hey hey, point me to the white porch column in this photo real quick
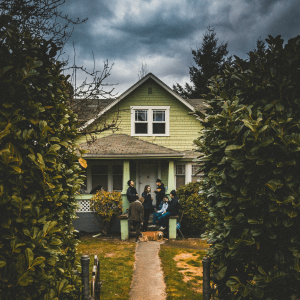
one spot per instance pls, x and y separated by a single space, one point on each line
171 177
126 177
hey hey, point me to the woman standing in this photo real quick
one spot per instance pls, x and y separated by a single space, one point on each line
147 205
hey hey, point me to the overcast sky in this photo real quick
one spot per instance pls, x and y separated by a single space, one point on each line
161 33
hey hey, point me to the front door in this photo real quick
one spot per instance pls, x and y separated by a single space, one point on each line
148 175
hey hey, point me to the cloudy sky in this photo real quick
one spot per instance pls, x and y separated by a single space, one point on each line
161 33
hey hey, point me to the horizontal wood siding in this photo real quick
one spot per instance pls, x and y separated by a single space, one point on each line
184 128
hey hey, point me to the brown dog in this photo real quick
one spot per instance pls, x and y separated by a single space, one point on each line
152 236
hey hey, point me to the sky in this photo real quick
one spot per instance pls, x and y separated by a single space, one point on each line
161 33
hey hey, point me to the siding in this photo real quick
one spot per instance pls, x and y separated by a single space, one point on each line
184 128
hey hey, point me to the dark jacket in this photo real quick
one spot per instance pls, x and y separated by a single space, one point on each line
148 201
173 207
160 195
136 211
131 194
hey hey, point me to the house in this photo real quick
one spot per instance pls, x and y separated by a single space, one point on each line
154 140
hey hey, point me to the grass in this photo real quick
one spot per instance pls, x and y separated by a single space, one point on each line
182 267
116 264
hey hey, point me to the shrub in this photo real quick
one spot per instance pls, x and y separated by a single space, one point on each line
107 206
195 213
39 175
250 147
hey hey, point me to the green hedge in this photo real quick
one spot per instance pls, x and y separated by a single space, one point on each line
195 214
39 175
250 148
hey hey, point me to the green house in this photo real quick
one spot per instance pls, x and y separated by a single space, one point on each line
154 140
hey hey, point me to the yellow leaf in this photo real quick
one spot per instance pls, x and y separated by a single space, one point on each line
82 162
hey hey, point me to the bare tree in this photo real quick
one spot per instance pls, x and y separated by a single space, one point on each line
45 20
143 71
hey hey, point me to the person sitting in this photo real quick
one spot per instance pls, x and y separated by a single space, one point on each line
158 213
99 187
131 193
172 210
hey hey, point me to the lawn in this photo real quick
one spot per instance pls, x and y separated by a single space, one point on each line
116 264
182 265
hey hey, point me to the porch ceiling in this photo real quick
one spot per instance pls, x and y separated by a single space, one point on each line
123 145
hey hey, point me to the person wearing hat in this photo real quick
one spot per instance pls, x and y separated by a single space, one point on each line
160 192
172 210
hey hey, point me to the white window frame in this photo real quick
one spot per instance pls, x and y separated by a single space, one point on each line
150 110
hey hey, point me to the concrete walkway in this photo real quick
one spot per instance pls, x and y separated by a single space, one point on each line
148 281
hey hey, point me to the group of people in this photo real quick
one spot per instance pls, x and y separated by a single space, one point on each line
141 207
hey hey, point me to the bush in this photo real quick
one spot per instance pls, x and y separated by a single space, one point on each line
250 147
40 173
107 206
195 213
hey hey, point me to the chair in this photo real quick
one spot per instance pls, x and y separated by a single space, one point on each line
178 224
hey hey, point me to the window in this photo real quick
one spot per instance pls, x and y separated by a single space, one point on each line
150 120
180 175
100 176
195 175
117 177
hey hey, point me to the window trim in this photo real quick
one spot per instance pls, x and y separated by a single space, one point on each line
150 110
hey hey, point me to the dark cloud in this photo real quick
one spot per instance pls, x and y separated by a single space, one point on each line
162 33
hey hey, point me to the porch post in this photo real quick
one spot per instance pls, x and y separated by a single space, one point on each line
171 176
126 177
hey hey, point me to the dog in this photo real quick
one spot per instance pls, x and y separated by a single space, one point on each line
152 236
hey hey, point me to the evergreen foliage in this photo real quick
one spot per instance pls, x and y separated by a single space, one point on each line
210 60
40 172
250 150
195 214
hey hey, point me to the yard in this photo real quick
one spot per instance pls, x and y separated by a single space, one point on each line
181 262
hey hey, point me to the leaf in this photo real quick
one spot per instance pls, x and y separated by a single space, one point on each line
274 184
24 279
83 162
222 273
39 260
29 256
54 148
233 147
2 264
16 168
248 124
5 131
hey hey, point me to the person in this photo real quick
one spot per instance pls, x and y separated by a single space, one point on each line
147 205
158 213
131 193
99 187
172 210
136 216
160 192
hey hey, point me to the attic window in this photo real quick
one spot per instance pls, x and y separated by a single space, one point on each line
150 120
149 90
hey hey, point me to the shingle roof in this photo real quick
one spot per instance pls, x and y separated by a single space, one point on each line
123 145
198 104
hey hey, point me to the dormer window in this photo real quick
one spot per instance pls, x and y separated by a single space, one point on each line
150 120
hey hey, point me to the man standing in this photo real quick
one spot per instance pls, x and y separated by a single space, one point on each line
160 193
131 193
172 210
136 216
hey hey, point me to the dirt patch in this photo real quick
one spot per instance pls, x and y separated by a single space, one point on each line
190 267
191 243
109 254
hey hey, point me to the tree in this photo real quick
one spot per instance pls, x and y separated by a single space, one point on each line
44 20
40 172
143 71
210 60
250 153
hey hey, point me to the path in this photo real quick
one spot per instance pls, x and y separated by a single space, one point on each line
148 280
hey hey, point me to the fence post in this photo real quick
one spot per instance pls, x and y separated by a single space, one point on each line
206 278
85 262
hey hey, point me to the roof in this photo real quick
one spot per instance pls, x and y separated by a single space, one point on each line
123 145
192 104
198 104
